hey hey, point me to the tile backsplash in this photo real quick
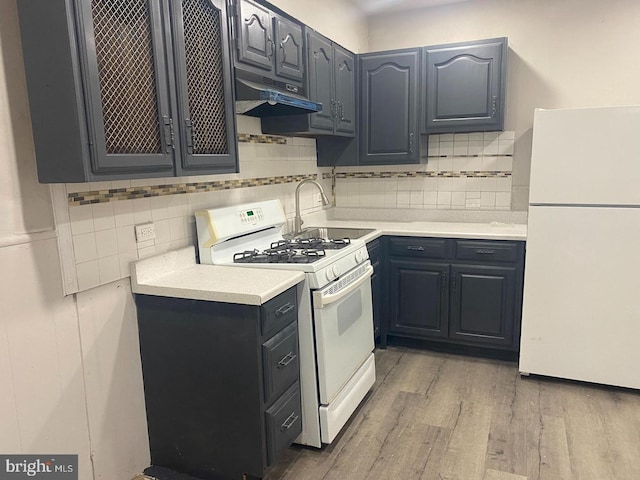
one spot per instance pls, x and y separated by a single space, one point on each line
96 220
463 171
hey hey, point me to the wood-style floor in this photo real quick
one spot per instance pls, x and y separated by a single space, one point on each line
443 416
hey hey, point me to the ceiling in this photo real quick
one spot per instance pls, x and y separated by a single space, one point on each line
372 7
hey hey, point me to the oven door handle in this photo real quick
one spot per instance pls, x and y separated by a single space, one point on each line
321 301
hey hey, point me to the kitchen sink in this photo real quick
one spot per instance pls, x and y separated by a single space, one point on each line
334 232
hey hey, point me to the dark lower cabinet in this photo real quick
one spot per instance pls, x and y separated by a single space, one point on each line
221 383
419 298
482 304
465 292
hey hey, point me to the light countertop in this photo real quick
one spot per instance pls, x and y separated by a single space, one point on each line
484 230
176 274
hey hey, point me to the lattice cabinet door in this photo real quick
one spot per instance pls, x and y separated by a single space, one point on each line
126 83
203 84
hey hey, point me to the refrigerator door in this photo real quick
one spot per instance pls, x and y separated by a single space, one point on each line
581 311
587 156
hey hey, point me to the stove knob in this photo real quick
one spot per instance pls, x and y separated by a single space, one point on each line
330 276
360 256
336 271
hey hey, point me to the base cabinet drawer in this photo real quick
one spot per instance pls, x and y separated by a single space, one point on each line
284 422
278 312
280 361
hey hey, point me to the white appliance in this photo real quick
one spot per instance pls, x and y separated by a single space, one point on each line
581 311
335 321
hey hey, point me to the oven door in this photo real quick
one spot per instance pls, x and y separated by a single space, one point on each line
343 322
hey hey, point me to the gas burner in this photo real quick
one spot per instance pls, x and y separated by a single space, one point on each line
279 253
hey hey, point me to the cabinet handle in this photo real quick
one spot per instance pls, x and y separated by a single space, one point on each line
288 423
333 108
444 282
271 47
286 308
167 127
453 284
482 251
494 101
411 143
415 248
287 359
189 133
341 109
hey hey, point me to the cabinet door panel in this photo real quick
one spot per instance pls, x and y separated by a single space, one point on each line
289 49
128 100
389 98
419 296
320 63
345 90
482 304
203 80
255 36
464 87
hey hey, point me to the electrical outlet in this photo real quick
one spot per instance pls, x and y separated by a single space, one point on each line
145 231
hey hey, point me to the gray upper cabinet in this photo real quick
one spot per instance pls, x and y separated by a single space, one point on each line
345 91
255 35
267 43
117 90
389 97
289 49
464 85
331 80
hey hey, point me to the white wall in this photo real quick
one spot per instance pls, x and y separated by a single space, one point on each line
565 53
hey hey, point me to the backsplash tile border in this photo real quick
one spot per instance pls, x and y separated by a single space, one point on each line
132 193
252 138
419 174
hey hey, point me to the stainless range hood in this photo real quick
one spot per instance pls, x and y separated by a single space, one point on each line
256 98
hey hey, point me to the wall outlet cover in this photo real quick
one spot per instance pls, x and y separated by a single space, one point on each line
145 231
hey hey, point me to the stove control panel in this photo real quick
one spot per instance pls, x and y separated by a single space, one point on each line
251 216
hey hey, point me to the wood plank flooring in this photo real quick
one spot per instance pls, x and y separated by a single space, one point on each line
439 416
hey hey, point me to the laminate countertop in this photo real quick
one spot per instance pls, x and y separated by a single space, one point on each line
176 274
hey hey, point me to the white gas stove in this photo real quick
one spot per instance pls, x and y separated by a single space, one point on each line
335 323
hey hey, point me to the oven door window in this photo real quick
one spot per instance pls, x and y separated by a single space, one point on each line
343 322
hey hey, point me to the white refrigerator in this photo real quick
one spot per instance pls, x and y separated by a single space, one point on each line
581 304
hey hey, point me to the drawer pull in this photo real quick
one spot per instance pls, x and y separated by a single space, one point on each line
482 251
286 308
287 359
415 248
288 423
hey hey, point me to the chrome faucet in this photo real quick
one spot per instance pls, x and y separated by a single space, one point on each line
298 220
